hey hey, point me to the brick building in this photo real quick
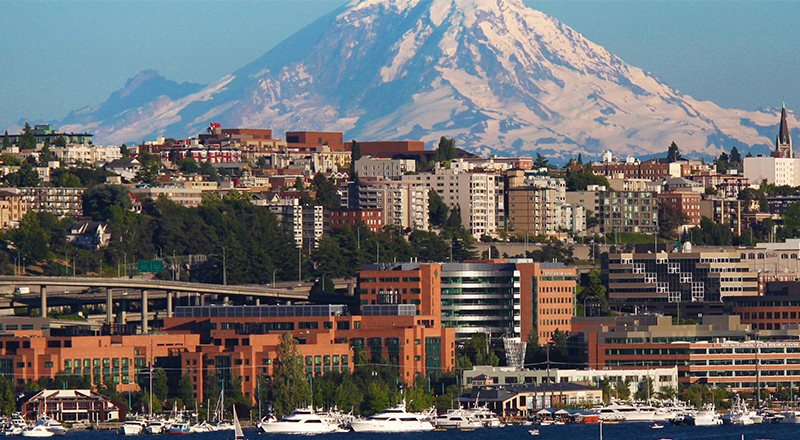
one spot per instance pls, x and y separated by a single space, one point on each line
500 297
371 218
686 202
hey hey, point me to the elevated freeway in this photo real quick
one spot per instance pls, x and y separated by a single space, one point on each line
118 289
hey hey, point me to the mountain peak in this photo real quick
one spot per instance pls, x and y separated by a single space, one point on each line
495 75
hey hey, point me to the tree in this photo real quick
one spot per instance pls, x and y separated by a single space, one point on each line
98 201
27 141
25 177
355 154
736 157
124 151
60 141
579 180
30 238
298 184
160 387
45 155
541 162
669 219
185 390
6 141
673 153
10 160
446 150
188 165
208 170
323 285
68 180
326 192
437 209
8 398
290 386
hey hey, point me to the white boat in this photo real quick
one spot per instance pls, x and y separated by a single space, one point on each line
629 413
16 426
155 426
393 420
37 431
52 425
133 427
790 417
457 419
738 414
238 434
301 421
706 417
486 417
533 432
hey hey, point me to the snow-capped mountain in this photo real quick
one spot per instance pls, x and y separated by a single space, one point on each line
496 75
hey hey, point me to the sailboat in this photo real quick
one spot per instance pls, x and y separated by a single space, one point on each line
237 427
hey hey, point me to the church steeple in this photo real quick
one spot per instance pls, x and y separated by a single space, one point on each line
783 142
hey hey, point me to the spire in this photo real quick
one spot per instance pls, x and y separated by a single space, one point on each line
783 142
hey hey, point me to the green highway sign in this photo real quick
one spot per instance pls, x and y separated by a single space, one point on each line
150 266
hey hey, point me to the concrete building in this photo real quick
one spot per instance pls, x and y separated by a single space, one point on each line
727 185
188 197
305 223
44 132
369 166
511 298
12 208
473 191
403 203
661 281
541 211
628 211
723 211
719 351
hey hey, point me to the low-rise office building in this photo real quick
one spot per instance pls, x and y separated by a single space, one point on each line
525 400
719 351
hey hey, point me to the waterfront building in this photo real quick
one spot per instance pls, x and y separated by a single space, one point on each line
719 351
634 378
73 406
525 400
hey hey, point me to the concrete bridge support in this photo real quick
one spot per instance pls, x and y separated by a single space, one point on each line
145 313
109 305
43 293
169 304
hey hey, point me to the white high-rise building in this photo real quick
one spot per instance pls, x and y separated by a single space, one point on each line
474 191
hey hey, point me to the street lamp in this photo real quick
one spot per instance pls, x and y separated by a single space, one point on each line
160 252
16 263
273 277
224 265
125 266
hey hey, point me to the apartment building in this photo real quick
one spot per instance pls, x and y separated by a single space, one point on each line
685 202
628 211
661 281
60 202
371 218
369 166
188 197
305 223
543 211
473 191
12 208
500 297
403 203
723 210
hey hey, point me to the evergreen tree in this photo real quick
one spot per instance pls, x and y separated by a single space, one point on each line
185 391
290 386
60 141
446 150
437 209
326 192
541 162
673 153
580 159
6 141
27 141
355 154
736 157
160 387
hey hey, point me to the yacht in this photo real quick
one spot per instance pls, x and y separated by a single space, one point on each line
16 426
706 417
133 427
457 419
790 417
301 421
52 425
37 431
155 426
486 417
395 419
628 413
181 427
738 414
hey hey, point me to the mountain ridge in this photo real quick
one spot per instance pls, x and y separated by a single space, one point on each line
498 76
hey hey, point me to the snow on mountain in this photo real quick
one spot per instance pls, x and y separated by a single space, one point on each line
496 75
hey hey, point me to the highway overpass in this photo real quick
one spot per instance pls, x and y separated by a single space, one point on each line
118 289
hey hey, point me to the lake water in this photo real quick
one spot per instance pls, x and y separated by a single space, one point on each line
624 431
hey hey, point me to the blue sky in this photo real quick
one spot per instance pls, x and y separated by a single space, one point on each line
58 56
